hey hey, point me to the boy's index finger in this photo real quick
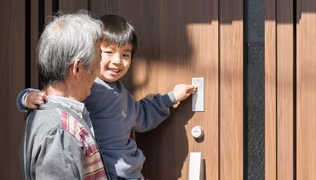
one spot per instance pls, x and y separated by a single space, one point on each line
193 87
44 96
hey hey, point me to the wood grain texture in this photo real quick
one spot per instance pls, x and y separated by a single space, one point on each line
211 150
306 89
71 6
231 90
48 11
34 33
285 88
178 40
99 7
12 80
270 91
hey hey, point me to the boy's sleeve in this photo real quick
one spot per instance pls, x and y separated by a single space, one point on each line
152 111
21 97
59 156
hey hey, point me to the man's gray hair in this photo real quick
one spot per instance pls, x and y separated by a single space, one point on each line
67 38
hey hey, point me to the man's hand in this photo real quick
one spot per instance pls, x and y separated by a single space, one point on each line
34 98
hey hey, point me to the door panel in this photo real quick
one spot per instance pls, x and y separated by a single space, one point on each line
178 40
231 90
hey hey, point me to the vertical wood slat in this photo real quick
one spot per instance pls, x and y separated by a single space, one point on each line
35 34
12 80
103 7
71 6
48 11
17 80
285 84
306 89
270 91
98 7
34 39
212 150
231 90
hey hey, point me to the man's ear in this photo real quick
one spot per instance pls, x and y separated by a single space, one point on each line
76 67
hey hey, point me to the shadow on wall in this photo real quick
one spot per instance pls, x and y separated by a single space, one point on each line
283 11
304 7
171 134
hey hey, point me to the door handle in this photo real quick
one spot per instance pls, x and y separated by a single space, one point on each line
195 167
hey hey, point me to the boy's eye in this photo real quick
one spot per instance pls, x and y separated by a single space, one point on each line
126 55
107 52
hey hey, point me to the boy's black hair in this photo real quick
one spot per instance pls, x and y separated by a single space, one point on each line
117 31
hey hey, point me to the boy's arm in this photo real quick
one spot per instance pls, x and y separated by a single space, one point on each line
152 111
20 105
30 99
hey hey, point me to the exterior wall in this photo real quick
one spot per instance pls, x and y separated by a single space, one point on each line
290 89
181 39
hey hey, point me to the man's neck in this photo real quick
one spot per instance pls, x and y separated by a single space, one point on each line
60 89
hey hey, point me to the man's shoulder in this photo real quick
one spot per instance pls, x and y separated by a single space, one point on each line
48 117
42 121
45 120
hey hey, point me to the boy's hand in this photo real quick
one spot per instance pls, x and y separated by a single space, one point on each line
183 91
34 98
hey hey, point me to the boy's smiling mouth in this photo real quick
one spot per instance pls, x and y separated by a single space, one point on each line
115 70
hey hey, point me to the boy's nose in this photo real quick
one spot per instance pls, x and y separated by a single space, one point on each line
116 60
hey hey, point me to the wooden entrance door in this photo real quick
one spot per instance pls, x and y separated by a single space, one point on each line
179 40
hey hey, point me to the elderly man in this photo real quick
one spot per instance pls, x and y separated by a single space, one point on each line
59 141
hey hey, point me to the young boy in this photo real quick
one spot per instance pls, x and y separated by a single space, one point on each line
114 112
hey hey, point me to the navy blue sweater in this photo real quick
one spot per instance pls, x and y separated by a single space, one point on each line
114 113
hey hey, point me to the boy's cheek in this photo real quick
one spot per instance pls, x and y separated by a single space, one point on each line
102 64
103 56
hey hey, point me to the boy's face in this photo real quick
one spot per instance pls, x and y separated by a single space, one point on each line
115 62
